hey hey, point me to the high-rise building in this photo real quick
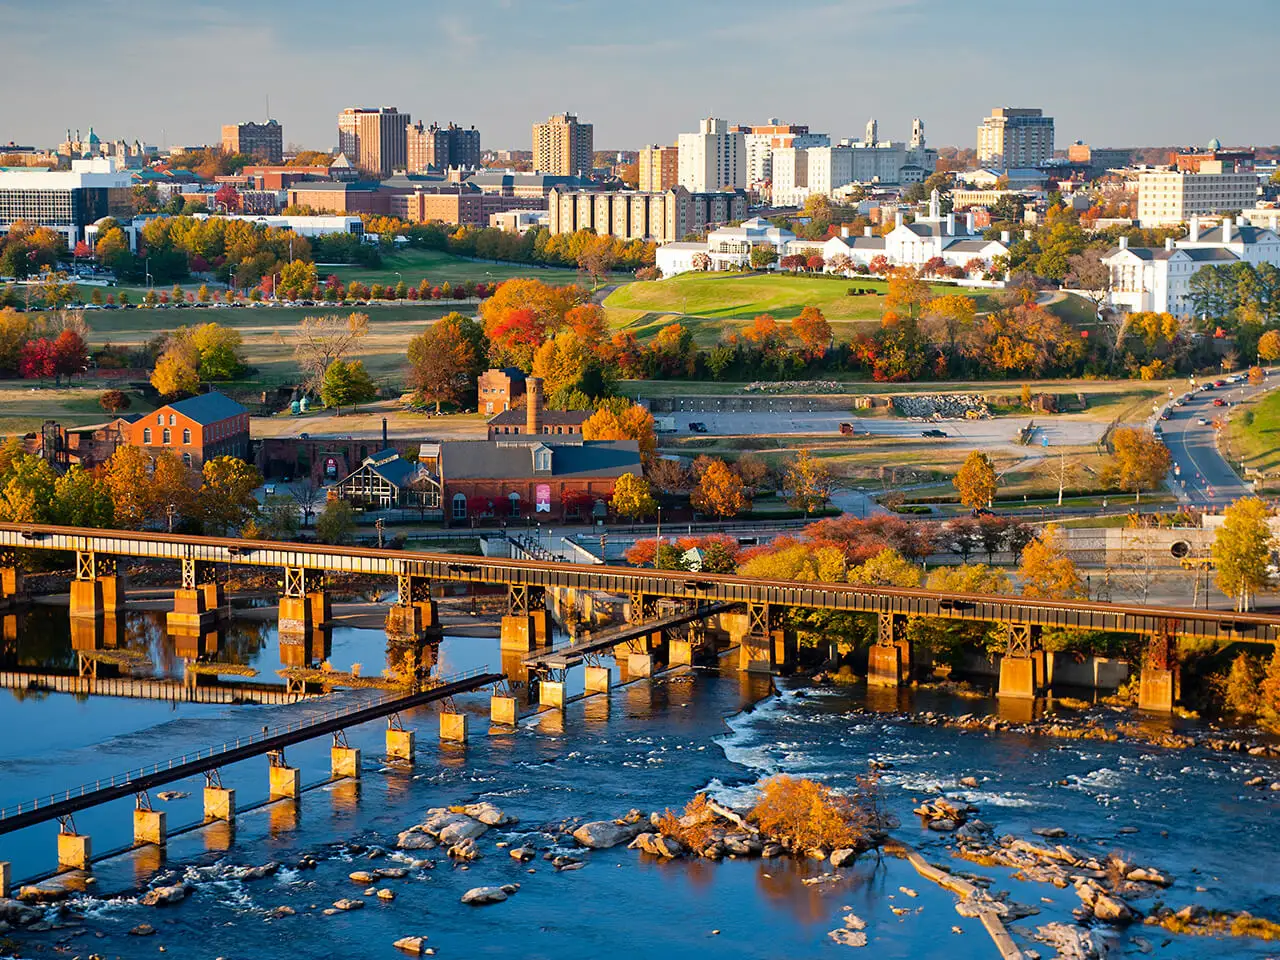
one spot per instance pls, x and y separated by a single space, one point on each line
1170 197
1015 137
262 140
714 158
762 139
373 138
439 148
659 216
563 146
659 168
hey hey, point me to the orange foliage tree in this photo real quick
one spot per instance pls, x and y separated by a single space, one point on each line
814 332
521 314
803 814
720 492
615 420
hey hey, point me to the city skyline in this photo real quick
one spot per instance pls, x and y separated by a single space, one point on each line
648 84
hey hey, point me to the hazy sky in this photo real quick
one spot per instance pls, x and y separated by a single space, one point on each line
1112 72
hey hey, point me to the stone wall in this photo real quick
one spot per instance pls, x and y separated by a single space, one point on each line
941 406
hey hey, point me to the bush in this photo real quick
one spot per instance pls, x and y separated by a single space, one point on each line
694 828
803 814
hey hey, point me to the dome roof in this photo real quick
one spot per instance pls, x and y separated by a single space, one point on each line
1215 144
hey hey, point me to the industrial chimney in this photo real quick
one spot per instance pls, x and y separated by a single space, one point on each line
533 405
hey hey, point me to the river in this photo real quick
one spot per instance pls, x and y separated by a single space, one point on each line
650 745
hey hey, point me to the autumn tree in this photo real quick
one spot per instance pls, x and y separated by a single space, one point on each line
570 370
1139 460
347 384
814 332
632 498
670 475
1242 550
976 481
28 491
887 568
809 480
176 373
336 523
113 401
946 318
620 419
521 314
1045 571
720 492
597 258
318 341
297 279
226 499
125 479
1269 346
907 294
442 362
82 500
1088 274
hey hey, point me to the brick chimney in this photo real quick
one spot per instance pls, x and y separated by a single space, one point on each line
533 405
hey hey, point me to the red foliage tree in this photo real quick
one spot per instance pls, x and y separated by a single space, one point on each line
37 360
816 263
879 264
229 197
70 353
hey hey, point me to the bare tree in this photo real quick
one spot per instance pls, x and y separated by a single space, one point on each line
1135 571
318 341
308 497
1087 273
1060 470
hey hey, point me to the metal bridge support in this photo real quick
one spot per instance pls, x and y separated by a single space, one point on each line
75 852
1022 666
97 588
198 603
757 639
283 782
148 824
304 606
1159 681
527 625
414 614
889 659
681 651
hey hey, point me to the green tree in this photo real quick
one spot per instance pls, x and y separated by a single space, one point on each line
1242 550
29 490
297 278
632 498
809 480
81 500
226 500
763 257
347 384
976 481
336 523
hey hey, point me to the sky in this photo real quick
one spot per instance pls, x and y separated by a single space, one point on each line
1111 72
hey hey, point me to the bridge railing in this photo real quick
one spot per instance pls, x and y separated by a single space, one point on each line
121 779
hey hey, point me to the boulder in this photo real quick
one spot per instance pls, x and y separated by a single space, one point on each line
361 876
143 930
162 896
415 838
464 850
603 834
1052 832
411 945
1147 875
283 911
478 896
942 826
970 782
346 903
843 856
668 847
487 814
1072 943
392 873
1111 909
17 914
460 830
167 795
439 819
523 854
385 894
849 938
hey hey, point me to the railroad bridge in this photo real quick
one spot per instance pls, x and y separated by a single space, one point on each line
748 608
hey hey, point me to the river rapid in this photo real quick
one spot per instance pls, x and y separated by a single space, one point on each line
650 745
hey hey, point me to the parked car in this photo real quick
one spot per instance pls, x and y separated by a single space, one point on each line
1219 402
941 434
846 429
1202 421
696 426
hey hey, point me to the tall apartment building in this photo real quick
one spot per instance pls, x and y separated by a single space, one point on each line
1167 197
262 140
661 217
712 159
659 168
373 138
438 148
563 146
762 139
1015 137
799 172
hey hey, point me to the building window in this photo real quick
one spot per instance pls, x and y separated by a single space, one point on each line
459 506
172 419
186 436
160 419
186 458
146 435
167 437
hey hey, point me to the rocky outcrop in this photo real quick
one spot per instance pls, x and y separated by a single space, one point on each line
163 896
603 834
479 896
413 946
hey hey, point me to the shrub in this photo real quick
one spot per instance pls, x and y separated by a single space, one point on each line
804 814
694 828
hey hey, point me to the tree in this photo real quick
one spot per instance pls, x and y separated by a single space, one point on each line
226 499
176 374
1087 273
620 419
1060 470
70 353
1269 346
81 500
669 476
809 480
1242 550
28 492
946 318
113 401
124 476
814 332
297 279
336 522
597 258
1045 571
887 568
720 492
442 361
762 257
37 361
753 471
347 385
568 366
227 197
171 493
1140 460
318 341
976 481
632 498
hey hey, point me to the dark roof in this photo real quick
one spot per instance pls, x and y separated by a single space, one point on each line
346 186
208 408
961 246
513 459
554 417
1142 253
1211 253
1239 234
392 467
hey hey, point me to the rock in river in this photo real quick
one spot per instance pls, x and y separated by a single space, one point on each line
477 896
603 834
411 945
160 896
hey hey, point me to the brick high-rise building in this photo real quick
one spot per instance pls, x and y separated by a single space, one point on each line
373 138
659 168
262 140
439 148
563 146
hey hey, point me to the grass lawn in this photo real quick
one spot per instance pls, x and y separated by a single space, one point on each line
708 300
1258 444
24 407
438 267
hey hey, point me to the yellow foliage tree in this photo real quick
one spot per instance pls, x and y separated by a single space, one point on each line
177 373
888 568
633 422
799 562
1242 550
976 480
809 480
804 814
1269 346
720 492
632 497
1140 460
1046 571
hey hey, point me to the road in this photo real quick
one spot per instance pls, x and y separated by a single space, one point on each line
1202 476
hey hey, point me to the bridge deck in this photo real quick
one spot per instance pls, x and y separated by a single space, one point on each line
139 688
19 816
566 656
1079 614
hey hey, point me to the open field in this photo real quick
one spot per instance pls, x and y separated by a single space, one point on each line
1258 444
438 267
23 407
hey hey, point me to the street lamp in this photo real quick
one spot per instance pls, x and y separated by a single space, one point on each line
657 542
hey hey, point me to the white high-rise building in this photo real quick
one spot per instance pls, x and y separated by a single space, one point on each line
714 158
799 172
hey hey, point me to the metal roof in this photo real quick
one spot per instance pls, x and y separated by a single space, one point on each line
207 408
513 459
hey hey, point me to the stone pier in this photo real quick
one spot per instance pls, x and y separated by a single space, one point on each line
191 615
755 642
284 783
1022 668
75 852
301 615
96 596
219 804
640 664
6 879
400 744
149 827
503 711
551 694
889 660
1157 689
598 680
453 727
344 762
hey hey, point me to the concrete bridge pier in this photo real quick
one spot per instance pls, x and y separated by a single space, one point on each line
283 782
1022 668
344 761
11 585
414 614
503 711
219 804
6 879
551 693
75 851
400 744
149 827
889 659
1159 681
453 727
527 625
305 606
598 680
758 640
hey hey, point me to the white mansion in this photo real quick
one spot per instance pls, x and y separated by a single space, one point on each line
1159 279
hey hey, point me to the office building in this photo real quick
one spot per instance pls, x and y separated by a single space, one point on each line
762 139
1169 197
1015 137
799 172
373 139
264 141
437 148
714 158
66 200
1097 160
563 146
659 168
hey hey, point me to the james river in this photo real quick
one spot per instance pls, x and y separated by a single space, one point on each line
652 744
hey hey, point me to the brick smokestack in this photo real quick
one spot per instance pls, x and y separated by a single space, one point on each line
533 405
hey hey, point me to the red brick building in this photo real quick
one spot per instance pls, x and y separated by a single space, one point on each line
529 419
197 429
